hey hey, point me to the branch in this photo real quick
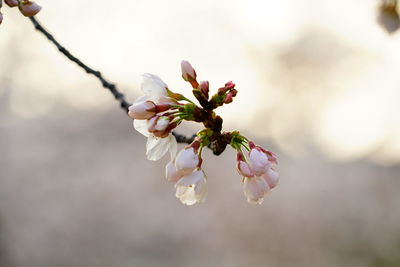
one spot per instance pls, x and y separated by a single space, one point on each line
106 84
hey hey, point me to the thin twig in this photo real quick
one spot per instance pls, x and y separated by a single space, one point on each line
106 84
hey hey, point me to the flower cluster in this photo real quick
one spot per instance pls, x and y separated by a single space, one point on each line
159 111
258 171
26 7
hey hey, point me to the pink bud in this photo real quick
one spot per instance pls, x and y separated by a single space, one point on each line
242 166
160 126
142 110
187 160
29 8
1 18
228 98
205 88
162 123
188 73
244 169
151 124
259 162
229 85
11 3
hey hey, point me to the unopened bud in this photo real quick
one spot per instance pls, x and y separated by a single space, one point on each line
228 98
222 90
29 8
243 167
142 110
1 18
162 123
188 73
205 88
11 3
187 160
229 85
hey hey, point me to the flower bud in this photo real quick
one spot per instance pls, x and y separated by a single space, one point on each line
259 162
243 167
228 98
205 88
11 3
29 8
142 110
1 18
222 91
187 160
188 73
162 123
229 85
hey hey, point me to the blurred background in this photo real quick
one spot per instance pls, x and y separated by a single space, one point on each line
318 84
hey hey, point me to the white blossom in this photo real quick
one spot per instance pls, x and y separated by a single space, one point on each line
192 189
155 90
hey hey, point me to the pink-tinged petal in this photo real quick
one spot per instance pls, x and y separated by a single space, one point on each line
141 127
171 173
187 160
255 189
258 161
156 147
244 169
162 123
153 86
142 110
151 124
165 100
188 73
271 177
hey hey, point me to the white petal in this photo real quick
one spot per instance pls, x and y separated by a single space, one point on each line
141 99
192 189
153 86
187 160
254 189
156 147
171 173
173 146
141 127
271 177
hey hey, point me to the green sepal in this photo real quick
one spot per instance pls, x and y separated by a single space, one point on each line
238 140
